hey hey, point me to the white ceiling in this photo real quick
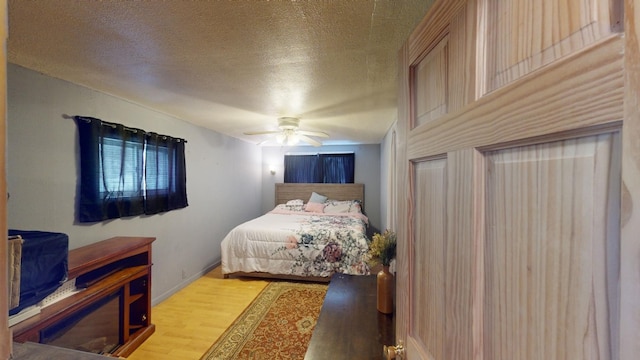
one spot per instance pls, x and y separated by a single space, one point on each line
231 66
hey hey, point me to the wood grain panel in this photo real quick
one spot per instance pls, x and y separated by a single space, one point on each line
542 262
429 240
630 223
551 223
403 203
431 28
580 91
443 79
464 255
523 35
430 84
462 58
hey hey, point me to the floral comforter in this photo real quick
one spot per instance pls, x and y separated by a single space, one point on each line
298 243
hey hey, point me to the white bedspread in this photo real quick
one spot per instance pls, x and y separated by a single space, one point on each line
298 243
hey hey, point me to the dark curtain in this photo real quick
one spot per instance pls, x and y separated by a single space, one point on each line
337 168
165 174
301 169
319 168
108 187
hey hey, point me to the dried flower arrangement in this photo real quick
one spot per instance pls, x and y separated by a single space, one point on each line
382 248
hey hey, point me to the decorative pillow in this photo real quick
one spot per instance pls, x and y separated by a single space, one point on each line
314 207
295 202
286 207
317 198
342 206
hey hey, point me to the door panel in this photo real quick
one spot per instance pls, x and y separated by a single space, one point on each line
548 235
524 35
540 181
429 235
430 89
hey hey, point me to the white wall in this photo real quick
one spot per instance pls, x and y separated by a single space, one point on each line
367 171
224 178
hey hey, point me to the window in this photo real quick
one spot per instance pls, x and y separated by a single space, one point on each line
336 168
165 174
158 169
112 151
128 172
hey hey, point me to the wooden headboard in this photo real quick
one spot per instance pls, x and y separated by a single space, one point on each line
286 192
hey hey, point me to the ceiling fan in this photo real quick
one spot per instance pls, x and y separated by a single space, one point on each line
290 134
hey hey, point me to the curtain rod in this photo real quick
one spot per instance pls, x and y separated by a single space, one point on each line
114 125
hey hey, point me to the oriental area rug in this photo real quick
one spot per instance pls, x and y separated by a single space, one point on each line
276 325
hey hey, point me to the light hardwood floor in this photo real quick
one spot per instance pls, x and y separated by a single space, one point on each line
190 321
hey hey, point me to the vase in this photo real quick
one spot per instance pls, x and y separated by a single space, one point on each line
385 290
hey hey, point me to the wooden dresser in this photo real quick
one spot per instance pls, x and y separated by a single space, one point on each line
119 266
349 326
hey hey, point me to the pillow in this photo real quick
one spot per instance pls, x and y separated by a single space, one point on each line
317 198
295 202
342 206
286 207
314 207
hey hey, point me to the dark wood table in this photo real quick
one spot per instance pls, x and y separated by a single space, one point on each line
349 326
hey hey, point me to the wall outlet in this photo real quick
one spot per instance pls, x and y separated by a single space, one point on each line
184 274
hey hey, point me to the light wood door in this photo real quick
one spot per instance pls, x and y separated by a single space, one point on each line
5 333
518 167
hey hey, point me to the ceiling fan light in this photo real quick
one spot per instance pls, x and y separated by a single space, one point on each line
293 140
289 134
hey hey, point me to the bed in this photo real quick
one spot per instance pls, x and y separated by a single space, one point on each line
314 231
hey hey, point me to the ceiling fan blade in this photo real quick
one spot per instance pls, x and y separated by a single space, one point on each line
262 132
313 133
309 140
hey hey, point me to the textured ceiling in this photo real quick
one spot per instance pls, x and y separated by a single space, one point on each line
231 66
